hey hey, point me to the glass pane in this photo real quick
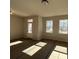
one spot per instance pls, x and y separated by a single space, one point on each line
29 27
49 25
30 20
63 26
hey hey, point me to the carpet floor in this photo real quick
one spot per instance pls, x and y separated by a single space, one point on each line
43 53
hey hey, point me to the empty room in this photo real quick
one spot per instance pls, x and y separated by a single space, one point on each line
38 29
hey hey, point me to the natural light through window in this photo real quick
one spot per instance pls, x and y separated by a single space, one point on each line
30 21
41 44
29 27
49 26
35 48
59 52
61 49
32 50
15 43
63 26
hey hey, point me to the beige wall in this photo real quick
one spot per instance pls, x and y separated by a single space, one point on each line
19 28
16 27
55 35
39 28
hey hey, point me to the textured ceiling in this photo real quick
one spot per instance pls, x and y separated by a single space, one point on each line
35 7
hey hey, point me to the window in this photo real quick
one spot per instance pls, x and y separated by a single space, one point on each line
30 25
63 26
30 20
49 25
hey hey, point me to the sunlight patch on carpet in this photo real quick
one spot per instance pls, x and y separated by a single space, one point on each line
34 48
15 43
